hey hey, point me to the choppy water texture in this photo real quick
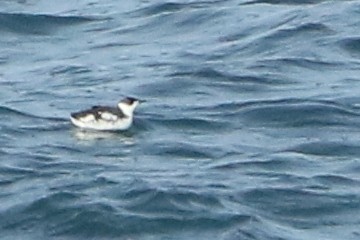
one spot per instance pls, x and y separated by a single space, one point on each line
251 128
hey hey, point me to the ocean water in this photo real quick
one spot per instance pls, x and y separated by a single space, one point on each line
251 129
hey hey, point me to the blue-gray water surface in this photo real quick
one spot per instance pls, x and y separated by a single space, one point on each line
251 129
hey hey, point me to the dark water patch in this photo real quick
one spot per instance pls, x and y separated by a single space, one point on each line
99 224
330 149
213 76
351 168
9 134
298 113
336 180
225 81
300 32
304 63
31 167
351 45
161 8
69 70
9 112
286 112
185 151
168 202
229 38
38 24
274 165
286 2
169 20
85 185
46 204
301 208
61 125
171 87
156 27
3 60
274 42
103 181
18 123
89 221
114 45
41 158
10 175
196 124
170 7
66 167
198 18
259 229
157 64
61 148
6 111
39 212
70 214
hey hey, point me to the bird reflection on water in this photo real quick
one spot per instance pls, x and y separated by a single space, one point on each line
89 135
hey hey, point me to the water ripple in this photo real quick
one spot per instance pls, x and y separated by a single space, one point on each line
292 112
326 149
9 112
287 2
284 202
351 45
25 23
170 7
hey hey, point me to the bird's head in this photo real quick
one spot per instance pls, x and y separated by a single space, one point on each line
128 105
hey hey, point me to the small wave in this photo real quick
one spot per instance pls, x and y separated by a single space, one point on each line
26 23
96 223
286 2
186 150
137 211
300 31
18 122
326 149
155 9
221 80
113 45
70 69
170 7
293 112
190 123
166 88
148 210
305 63
273 165
284 112
9 111
43 208
213 75
149 200
351 45
302 208
10 175
336 180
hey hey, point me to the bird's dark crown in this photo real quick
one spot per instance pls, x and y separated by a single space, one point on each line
129 100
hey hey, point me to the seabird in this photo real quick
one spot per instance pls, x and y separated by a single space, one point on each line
107 118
